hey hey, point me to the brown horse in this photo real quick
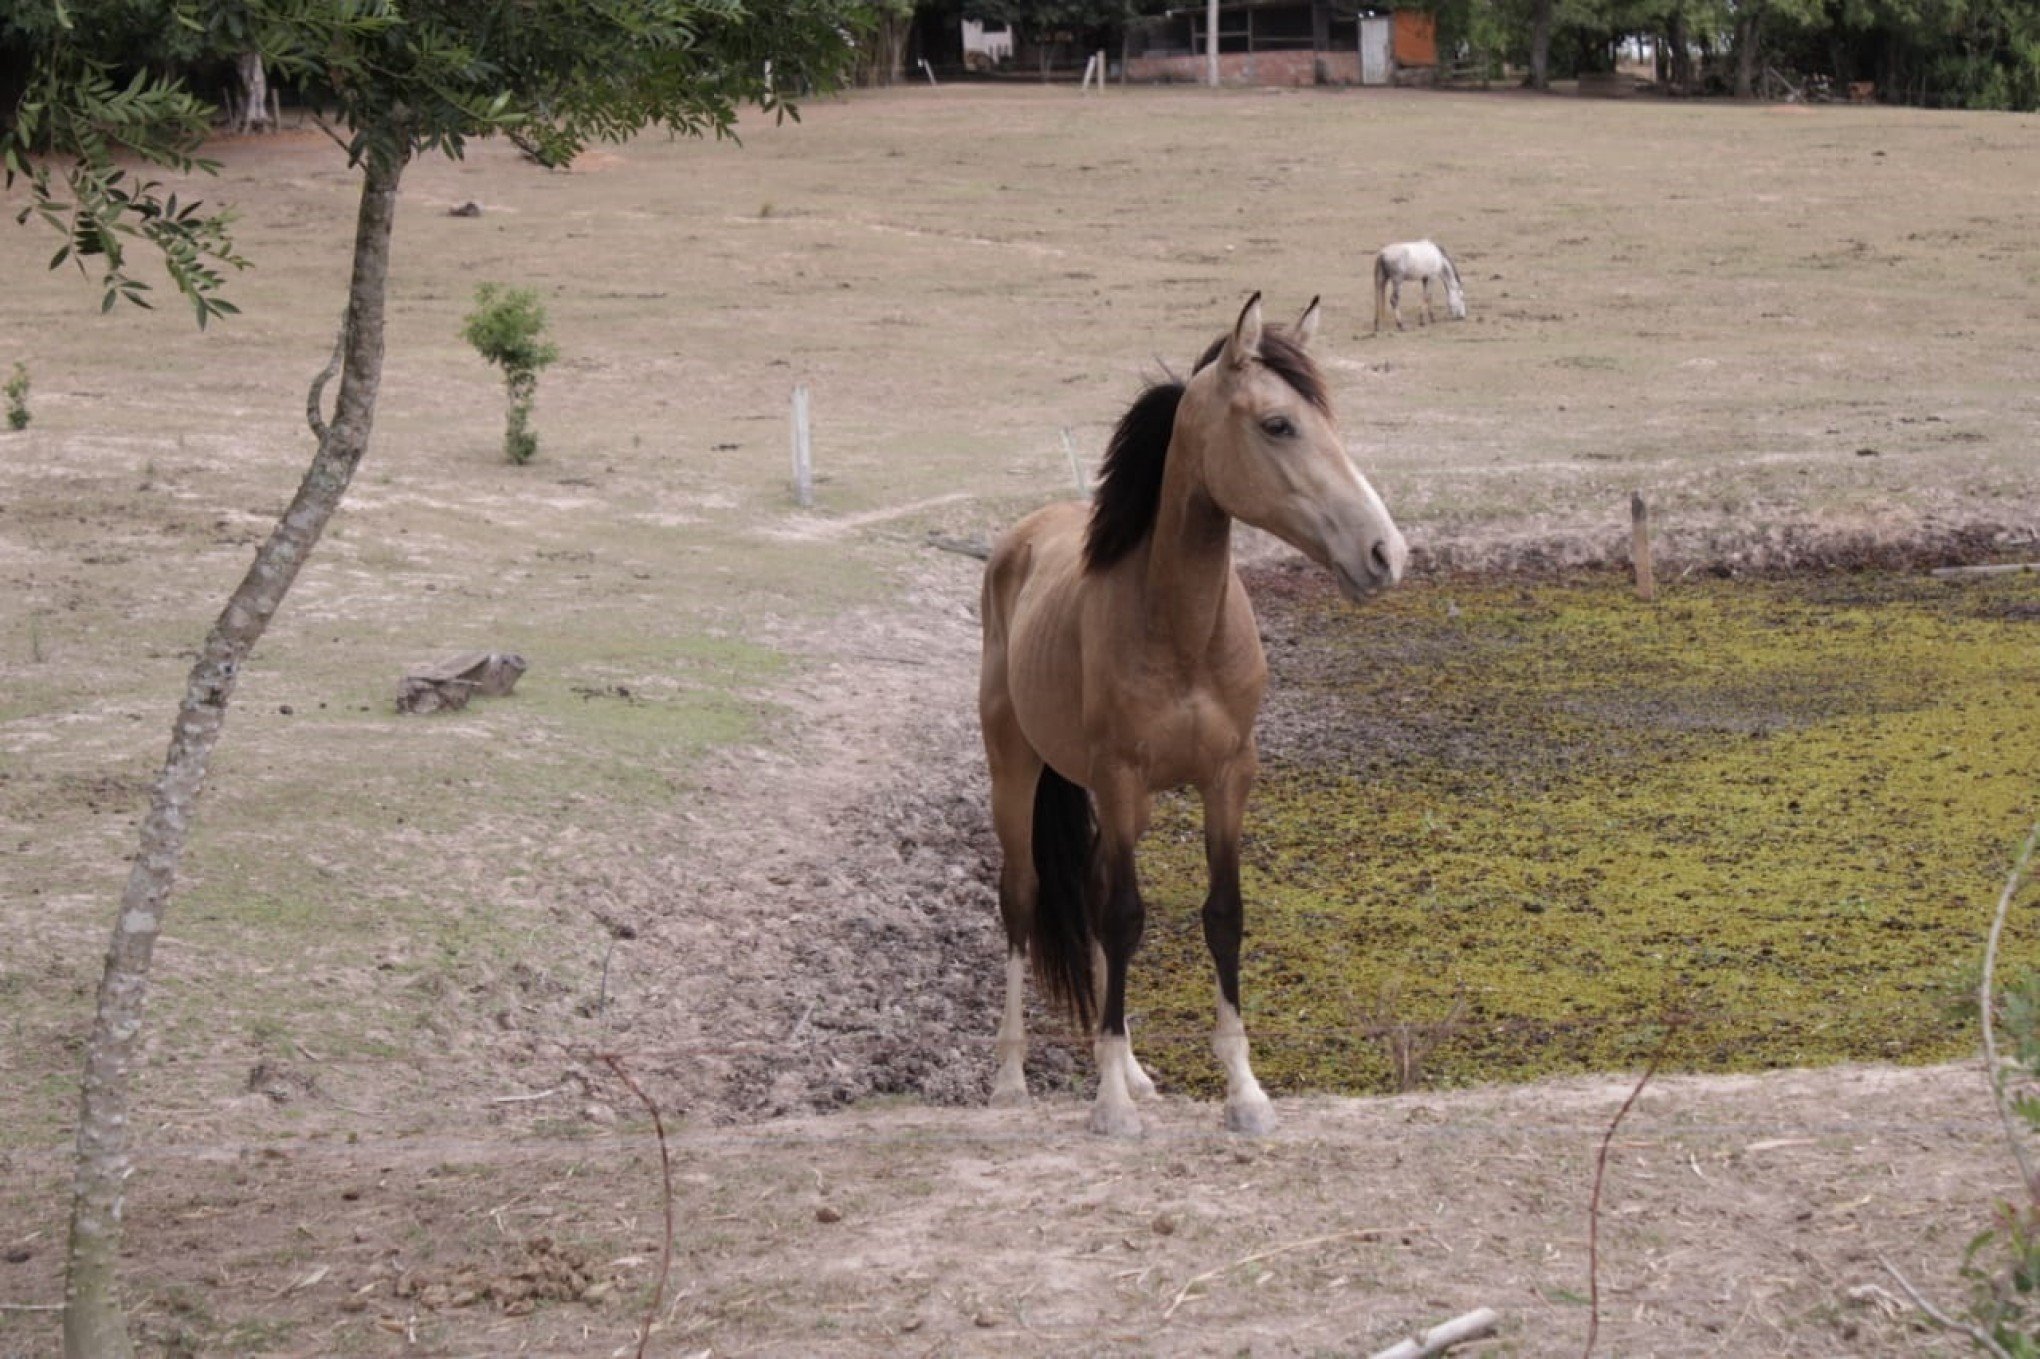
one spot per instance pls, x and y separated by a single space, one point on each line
1121 658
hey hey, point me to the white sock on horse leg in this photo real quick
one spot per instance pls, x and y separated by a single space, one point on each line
1247 1107
1113 1114
1009 1086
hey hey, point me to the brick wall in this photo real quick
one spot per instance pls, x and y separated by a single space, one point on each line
1251 68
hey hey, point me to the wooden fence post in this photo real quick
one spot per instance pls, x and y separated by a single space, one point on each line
803 452
1639 547
1076 465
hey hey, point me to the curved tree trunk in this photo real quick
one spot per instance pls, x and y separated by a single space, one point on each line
253 113
95 1326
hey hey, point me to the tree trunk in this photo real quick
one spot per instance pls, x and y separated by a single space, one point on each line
253 114
1540 45
1746 51
95 1326
1682 51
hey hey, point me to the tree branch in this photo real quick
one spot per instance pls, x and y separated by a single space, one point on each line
615 1064
1600 1171
1986 1000
315 399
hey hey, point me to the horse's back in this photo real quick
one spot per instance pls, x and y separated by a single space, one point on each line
1038 558
1048 542
1411 259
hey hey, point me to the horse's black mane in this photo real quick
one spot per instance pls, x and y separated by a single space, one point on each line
1130 481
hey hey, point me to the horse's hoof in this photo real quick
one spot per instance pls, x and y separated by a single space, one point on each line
1250 1118
1115 1120
1009 1097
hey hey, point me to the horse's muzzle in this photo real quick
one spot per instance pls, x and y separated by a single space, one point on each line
1383 566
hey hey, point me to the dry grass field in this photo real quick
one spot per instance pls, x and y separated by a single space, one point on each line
729 825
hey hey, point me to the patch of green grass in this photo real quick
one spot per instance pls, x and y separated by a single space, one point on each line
1780 809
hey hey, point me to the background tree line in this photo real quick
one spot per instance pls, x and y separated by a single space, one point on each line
1978 54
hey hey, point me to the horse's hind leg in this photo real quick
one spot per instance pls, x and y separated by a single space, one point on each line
1015 771
1247 1107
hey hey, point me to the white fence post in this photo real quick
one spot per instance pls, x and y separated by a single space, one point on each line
1076 465
803 452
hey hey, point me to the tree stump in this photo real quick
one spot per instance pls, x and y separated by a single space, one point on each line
448 685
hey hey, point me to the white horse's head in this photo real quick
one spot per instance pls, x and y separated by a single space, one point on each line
1455 296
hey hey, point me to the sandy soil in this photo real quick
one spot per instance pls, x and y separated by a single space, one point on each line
731 830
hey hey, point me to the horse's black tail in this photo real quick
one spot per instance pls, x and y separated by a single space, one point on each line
1065 833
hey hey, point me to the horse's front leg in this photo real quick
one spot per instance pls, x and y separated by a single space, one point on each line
1138 1081
1121 915
1247 1107
1427 300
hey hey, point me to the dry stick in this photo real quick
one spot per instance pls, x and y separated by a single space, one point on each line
1981 1337
962 546
1600 1171
1961 572
1184 1292
1076 466
1639 547
1475 1325
1986 1002
615 1063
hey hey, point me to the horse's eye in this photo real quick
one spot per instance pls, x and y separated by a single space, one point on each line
1278 427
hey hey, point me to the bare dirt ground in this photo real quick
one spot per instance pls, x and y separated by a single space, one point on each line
730 827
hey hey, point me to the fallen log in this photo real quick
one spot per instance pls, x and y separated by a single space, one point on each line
1473 1325
448 685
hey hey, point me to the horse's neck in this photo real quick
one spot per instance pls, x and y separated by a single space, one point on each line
1189 566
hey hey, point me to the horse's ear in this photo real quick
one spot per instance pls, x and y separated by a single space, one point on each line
1306 325
1244 345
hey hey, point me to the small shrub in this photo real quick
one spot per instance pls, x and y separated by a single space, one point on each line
507 327
17 398
1408 1042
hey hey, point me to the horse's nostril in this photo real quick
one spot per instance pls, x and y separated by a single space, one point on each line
1379 557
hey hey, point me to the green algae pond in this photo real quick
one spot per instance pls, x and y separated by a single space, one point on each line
1512 830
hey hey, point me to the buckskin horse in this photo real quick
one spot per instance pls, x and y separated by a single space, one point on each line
1121 658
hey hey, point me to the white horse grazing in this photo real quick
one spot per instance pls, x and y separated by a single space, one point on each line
1414 262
